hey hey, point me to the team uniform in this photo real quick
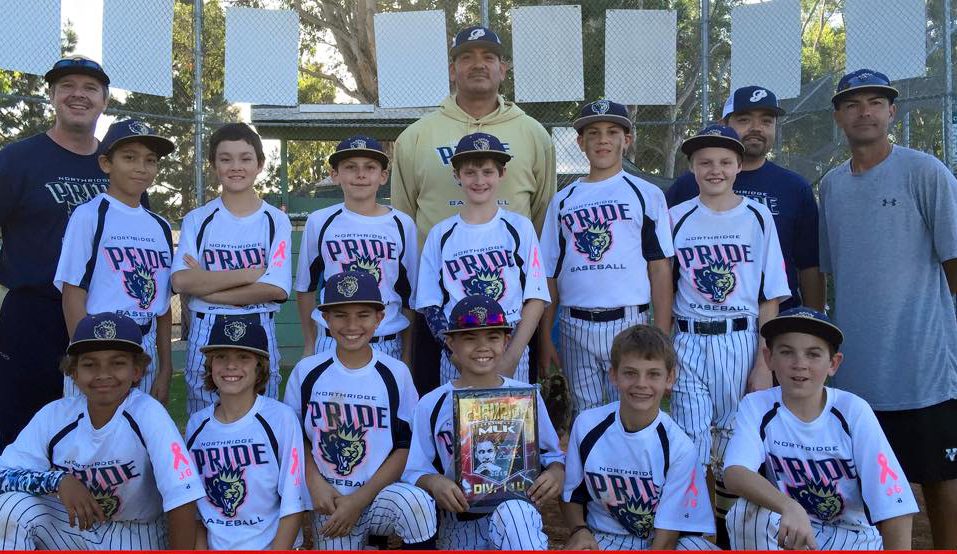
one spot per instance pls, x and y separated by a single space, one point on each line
220 241
597 241
136 467
839 467
337 239
513 524
499 259
121 257
252 471
633 483
353 419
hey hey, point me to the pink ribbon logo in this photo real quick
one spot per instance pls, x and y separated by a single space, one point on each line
886 470
178 456
693 490
280 254
295 464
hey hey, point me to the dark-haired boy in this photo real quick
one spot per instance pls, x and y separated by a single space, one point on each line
234 257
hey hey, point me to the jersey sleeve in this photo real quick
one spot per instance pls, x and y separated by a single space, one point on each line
429 290
574 489
28 451
293 395
408 398
410 260
806 248
746 449
824 247
173 470
656 240
279 267
937 198
684 504
308 252
774 277
422 448
550 450
76 251
187 244
292 477
535 284
549 243
884 486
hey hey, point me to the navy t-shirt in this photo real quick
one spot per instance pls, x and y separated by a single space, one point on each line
789 198
40 184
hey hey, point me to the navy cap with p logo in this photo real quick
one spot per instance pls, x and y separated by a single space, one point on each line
134 130
473 37
751 98
351 287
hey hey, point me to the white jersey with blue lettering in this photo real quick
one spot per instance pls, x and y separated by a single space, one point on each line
221 241
353 418
839 467
121 256
252 472
598 238
726 262
635 482
337 239
136 466
499 259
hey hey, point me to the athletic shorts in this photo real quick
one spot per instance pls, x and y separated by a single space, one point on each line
924 440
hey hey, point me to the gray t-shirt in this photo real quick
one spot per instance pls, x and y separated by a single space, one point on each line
883 235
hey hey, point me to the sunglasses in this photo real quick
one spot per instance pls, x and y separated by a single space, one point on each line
470 320
77 62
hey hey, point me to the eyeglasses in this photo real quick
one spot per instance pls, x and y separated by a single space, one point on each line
470 320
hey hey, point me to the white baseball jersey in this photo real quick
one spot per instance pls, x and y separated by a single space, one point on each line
499 259
352 418
433 438
598 238
839 467
220 241
136 466
252 472
121 256
727 262
634 483
337 239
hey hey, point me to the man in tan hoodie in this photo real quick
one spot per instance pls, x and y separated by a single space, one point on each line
422 181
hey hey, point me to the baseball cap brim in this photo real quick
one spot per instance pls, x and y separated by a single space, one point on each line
97 345
489 45
54 75
886 90
800 324
495 155
337 157
776 110
693 144
583 122
506 328
208 347
327 305
161 145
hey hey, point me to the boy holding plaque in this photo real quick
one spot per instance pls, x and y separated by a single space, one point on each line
478 462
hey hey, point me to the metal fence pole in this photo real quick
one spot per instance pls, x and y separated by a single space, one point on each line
950 117
198 101
705 17
483 11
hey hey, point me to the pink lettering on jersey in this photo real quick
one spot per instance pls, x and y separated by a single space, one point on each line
280 256
295 465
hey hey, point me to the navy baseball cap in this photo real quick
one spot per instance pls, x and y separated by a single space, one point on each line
477 312
77 65
720 136
476 36
602 110
239 334
803 320
356 146
480 145
134 130
351 287
751 98
106 331
864 79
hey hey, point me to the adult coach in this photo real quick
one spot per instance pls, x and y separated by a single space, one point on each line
422 182
889 237
42 179
753 112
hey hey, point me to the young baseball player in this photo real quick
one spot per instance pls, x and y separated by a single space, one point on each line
605 245
477 337
98 471
811 463
632 478
117 255
246 448
355 406
233 258
359 235
730 279
484 249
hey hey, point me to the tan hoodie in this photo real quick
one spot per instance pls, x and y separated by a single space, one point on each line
422 181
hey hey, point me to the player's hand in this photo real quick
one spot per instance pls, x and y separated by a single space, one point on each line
82 509
348 509
547 486
583 539
448 495
191 262
160 391
794 531
547 355
759 378
324 499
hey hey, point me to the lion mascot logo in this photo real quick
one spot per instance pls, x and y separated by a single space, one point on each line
822 501
140 284
637 516
227 490
487 283
593 241
344 447
367 264
106 498
716 280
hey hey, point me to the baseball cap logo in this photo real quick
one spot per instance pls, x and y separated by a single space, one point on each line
758 95
105 330
481 144
600 107
139 128
713 132
348 286
358 143
235 330
480 314
476 33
